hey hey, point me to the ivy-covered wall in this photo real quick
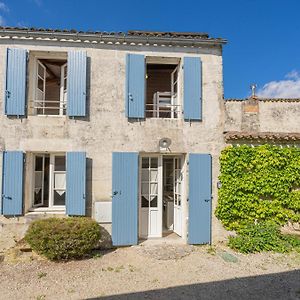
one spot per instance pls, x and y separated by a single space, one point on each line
259 184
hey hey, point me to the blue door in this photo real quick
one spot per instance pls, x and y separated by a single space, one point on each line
125 198
12 183
199 231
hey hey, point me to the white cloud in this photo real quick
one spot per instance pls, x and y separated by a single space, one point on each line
286 88
3 7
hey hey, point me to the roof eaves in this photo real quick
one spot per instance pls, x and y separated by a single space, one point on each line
16 32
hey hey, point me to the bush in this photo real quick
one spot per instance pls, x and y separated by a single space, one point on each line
63 238
265 236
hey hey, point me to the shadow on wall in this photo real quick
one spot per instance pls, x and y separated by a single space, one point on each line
277 286
89 187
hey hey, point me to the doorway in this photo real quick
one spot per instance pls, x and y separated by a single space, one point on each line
161 195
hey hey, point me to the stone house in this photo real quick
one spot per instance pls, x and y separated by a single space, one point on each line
126 128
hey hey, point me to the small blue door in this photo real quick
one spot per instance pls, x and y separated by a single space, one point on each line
76 184
135 86
12 183
125 198
15 84
200 197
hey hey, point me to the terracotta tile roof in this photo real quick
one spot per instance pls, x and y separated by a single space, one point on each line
188 37
261 136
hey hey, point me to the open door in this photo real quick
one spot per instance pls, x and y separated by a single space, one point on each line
177 196
151 197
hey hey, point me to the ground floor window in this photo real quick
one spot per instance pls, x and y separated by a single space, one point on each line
49 180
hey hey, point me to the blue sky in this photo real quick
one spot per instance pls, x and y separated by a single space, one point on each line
263 35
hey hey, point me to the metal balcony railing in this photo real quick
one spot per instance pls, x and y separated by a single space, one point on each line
49 107
163 106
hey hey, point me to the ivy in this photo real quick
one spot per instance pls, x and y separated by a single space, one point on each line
259 184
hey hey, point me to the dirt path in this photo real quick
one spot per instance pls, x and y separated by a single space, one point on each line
156 272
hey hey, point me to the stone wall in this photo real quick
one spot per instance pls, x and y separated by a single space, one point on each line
106 129
262 115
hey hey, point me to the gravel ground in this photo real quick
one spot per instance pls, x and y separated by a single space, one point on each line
154 272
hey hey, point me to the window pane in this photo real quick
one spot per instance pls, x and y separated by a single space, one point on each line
59 198
40 84
154 162
145 188
37 196
145 163
145 175
154 189
153 202
145 202
40 70
60 163
154 174
39 163
38 179
60 181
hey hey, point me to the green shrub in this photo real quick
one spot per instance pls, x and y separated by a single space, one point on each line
63 238
264 236
259 183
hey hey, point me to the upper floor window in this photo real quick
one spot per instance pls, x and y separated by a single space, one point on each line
163 87
45 83
49 86
162 90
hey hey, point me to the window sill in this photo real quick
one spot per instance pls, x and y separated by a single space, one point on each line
45 210
49 116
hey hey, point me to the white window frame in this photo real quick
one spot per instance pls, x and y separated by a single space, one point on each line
52 172
62 100
159 60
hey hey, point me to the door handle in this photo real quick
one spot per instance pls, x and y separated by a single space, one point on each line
207 200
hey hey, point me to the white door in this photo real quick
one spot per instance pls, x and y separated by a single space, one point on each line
150 224
178 175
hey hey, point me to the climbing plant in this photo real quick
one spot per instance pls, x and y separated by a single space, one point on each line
259 184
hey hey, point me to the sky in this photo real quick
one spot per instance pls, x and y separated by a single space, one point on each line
263 35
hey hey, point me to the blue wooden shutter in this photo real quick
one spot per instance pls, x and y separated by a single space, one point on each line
12 183
15 85
125 198
199 199
135 86
192 106
76 84
76 184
